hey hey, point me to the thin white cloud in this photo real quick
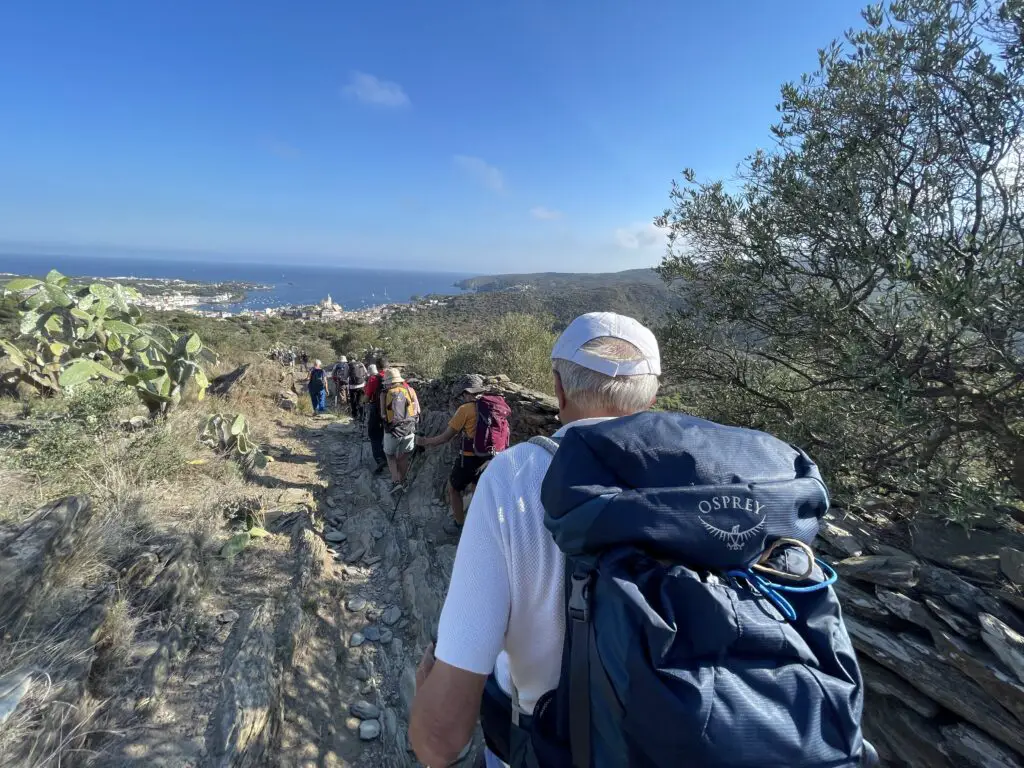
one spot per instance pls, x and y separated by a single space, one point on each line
481 172
545 214
372 90
639 235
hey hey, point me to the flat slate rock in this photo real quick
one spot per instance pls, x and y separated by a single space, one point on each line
931 673
895 572
950 618
1004 642
335 537
975 749
841 539
356 640
1011 563
975 553
880 680
364 710
392 615
372 634
857 602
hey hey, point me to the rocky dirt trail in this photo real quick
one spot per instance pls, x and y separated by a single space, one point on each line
387 572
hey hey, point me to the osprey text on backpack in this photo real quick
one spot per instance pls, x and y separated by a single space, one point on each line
492 431
700 630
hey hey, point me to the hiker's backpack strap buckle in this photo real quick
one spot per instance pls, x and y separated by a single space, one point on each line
579 596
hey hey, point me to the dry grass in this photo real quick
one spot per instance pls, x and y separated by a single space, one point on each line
145 486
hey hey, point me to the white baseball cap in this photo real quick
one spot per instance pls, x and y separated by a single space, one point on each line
594 325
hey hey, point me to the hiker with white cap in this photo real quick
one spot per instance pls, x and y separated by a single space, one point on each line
505 602
640 589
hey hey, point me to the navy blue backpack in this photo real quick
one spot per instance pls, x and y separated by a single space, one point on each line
700 630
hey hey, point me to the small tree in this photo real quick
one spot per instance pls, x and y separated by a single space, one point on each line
69 335
863 290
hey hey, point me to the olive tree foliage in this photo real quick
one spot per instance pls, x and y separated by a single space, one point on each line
68 335
861 289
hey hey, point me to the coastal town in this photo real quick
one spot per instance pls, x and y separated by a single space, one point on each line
219 300
327 311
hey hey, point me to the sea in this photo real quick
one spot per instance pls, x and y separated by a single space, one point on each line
289 284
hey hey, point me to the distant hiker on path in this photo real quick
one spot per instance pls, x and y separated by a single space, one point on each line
482 420
318 387
374 422
339 376
399 410
305 360
639 590
356 383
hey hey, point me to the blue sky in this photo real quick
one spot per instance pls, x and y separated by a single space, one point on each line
486 136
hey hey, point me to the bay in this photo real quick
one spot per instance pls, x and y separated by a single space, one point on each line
353 288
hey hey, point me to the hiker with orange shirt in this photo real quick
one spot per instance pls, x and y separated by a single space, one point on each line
482 420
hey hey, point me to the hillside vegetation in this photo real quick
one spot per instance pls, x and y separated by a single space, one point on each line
562 280
862 291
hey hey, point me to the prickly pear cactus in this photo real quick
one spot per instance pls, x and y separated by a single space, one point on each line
229 434
73 334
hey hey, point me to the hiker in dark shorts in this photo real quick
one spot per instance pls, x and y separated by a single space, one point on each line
356 384
374 424
472 457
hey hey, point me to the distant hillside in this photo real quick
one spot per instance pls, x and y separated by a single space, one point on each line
561 280
639 293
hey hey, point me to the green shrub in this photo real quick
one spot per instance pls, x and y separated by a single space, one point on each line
859 290
517 345
100 403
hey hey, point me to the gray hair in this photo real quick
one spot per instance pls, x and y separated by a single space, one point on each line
593 390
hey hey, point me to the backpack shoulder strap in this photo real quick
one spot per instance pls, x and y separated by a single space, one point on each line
549 444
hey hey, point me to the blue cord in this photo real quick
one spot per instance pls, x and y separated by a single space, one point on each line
772 590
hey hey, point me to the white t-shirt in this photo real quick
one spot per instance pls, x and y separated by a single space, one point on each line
505 609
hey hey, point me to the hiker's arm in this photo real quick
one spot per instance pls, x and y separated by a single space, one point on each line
445 711
470 635
444 437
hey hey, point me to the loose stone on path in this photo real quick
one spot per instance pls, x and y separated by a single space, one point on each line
364 710
335 537
369 730
356 604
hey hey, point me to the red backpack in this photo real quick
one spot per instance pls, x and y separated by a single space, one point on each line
492 431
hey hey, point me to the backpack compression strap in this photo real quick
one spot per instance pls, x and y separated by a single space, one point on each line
581 645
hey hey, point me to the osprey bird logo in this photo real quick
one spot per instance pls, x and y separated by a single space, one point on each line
734 537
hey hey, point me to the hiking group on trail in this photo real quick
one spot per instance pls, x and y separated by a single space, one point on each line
636 590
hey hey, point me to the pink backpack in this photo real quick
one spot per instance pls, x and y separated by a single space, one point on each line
492 430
